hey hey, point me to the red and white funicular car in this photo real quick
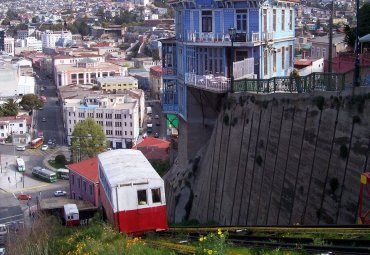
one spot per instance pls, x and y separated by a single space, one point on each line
71 215
132 192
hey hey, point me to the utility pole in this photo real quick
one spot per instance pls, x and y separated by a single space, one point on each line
330 67
356 76
1 165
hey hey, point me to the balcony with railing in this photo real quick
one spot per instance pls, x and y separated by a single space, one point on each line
213 37
218 84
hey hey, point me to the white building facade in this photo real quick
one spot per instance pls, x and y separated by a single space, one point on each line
9 45
117 114
49 38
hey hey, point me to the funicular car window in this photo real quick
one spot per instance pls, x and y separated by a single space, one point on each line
141 197
156 195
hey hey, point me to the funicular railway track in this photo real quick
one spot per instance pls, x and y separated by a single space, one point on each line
340 239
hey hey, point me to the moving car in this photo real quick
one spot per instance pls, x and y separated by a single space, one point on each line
24 197
50 142
156 135
156 116
21 148
44 119
44 147
60 193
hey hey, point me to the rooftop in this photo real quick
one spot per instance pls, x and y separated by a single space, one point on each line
117 78
87 168
126 166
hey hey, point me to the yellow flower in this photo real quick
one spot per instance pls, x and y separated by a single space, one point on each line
201 239
219 231
210 252
222 236
205 238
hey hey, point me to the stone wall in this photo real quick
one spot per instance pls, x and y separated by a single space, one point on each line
277 159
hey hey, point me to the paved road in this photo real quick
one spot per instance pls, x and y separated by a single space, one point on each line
13 181
53 126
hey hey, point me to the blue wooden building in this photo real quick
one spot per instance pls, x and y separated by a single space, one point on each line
202 53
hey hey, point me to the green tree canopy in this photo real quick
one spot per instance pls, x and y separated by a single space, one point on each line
88 138
9 108
30 101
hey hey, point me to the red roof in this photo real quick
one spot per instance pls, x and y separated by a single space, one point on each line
154 148
87 168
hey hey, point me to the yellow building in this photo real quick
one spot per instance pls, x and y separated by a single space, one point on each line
117 83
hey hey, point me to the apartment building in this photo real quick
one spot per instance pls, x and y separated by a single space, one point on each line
85 71
49 38
117 83
155 81
30 43
9 45
117 114
2 37
213 35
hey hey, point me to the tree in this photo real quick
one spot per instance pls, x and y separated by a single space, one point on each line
30 101
350 37
10 108
88 138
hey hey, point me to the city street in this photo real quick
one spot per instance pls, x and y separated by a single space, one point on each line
52 127
16 182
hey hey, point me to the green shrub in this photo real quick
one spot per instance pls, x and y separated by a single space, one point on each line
343 151
61 159
213 243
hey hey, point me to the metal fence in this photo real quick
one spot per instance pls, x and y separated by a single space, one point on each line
302 84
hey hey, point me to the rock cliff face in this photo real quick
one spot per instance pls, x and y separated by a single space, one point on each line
277 159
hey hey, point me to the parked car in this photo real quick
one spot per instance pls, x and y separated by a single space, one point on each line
45 147
60 193
2 251
20 148
24 197
158 123
50 141
44 119
156 116
156 135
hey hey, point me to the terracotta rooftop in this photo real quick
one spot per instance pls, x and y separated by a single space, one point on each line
154 148
87 168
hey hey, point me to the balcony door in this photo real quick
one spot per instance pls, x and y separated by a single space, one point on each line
241 21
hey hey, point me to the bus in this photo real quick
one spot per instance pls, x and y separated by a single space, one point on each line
45 174
63 173
20 165
37 143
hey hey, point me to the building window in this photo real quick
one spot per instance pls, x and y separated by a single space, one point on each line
265 64
90 189
264 20
274 20
73 179
318 53
290 55
282 20
156 195
206 21
274 61
291 20
141 197
283 58
241 20
79 182
84 186
324 53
